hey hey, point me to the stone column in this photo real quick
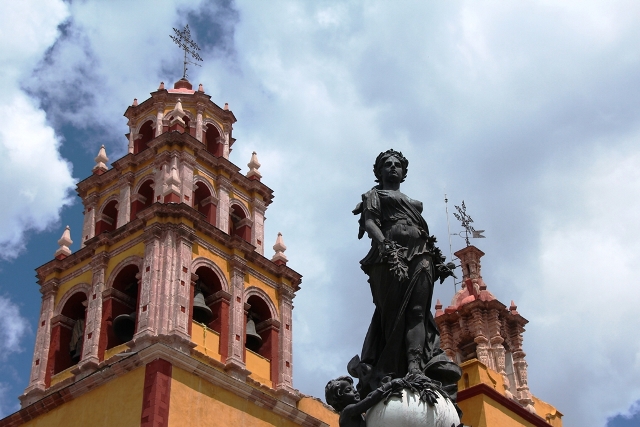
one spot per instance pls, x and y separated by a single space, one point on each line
43 340
200 108
151 276
224 188
131 138
476 324
226 143
285 358
124 202
159 117
257 231
180 287
90 357
235 354
520 367
89 225
187 164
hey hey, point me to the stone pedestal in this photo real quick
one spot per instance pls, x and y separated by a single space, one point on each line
409 411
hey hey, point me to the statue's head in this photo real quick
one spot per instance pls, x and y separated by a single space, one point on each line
340 393
383 157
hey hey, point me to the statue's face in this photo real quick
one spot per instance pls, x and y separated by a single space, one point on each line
349 393
392 170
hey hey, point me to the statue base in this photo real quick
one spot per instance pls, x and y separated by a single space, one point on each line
410 411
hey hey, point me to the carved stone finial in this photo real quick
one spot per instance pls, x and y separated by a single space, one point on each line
200 88
254 165
279 258
178 114
101 160
226 106
135 102
161 87
439 311
513 308
63 243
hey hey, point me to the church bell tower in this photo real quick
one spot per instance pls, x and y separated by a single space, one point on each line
170 310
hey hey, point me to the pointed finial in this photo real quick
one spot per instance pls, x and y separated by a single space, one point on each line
161 87
226 106
200 88
514 308
63 243
439 311
101 160
254 165
279 258
135 102
178 108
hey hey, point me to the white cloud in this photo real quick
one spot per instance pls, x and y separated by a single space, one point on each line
13 328
34 177
528 111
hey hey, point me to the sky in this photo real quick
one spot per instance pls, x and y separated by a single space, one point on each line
528 111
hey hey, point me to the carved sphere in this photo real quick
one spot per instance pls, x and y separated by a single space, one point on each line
411 412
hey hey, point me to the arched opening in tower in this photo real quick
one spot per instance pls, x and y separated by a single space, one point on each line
212 141
203 201
239 224
147 134
108 218
67 335
119 310
142 199
209 308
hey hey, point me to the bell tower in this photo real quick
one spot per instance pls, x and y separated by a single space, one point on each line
485 338
169 310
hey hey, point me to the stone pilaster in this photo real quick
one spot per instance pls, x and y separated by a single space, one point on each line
187 164
180 287
224 188
124 202
257 231
151 276
237 320
226 135
200 108
90 357
285 357
159 117
43 339
89 225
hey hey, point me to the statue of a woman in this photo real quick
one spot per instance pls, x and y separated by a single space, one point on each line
402 266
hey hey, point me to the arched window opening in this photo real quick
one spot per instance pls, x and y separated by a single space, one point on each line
147 132
119 310
208 305
211 138
204 202
108 218
239 224
67 334
258 336
142 199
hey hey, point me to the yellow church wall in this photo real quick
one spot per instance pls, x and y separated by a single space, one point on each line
110 352
477 373
104 197
201 251
66 285
114 261
61 376
548 412
203 403
259 367
482 411
319 410
207 340
116 403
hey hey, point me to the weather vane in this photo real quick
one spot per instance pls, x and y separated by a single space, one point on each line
466 221
183 39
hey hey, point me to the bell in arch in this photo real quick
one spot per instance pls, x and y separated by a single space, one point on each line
124 326
201 312
253 340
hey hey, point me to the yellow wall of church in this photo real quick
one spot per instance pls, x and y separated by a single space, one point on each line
319 410
203 403
116 403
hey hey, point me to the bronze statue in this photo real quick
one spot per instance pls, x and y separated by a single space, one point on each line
403 265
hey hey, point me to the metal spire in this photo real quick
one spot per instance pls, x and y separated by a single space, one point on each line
183 39
466 221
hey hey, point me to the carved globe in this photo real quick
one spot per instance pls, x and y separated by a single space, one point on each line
409 411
